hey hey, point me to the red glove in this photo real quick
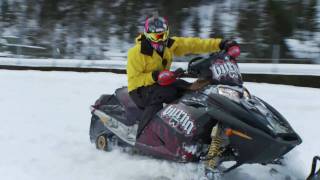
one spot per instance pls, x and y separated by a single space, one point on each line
232 47
226 44
166 78
234 51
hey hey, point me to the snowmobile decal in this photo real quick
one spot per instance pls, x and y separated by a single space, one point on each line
225 69
178 117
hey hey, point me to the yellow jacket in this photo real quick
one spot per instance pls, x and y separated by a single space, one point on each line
143 59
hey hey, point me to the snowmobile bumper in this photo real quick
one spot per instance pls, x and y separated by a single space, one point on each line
266 147
113 125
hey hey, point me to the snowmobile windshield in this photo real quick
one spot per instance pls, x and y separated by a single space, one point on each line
219 67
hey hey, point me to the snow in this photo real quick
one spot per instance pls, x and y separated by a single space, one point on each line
25 46
206 14
118 62
302 49
5 54
45 124
304 43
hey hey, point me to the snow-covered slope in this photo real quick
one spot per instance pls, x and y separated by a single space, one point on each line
45 122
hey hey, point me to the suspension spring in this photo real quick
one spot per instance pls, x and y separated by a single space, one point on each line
215 150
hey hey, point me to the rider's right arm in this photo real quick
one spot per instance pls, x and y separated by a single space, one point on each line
136 68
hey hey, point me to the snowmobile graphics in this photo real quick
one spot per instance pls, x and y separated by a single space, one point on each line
216 121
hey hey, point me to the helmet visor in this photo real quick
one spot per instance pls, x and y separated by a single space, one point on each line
157 37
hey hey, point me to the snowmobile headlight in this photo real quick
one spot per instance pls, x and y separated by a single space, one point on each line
246 94
229 93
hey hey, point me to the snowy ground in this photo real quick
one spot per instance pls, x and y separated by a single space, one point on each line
45 122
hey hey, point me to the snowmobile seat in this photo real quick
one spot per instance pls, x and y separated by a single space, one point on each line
131 109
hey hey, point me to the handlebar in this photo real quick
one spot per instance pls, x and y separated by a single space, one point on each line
203 63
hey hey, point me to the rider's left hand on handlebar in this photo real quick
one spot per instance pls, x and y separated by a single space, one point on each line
226 44
231 47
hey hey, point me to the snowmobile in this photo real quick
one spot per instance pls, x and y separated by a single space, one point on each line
217 123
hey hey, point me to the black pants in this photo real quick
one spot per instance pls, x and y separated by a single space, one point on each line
151 98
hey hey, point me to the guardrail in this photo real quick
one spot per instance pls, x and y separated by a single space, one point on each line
293 74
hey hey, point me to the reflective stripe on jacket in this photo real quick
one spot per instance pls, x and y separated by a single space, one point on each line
143 59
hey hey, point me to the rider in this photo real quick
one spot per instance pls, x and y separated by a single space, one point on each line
150 83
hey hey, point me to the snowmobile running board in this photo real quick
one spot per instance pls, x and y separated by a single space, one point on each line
115 126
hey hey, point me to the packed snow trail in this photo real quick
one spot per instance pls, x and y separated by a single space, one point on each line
45 123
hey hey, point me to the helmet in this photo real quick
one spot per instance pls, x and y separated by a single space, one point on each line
156 31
